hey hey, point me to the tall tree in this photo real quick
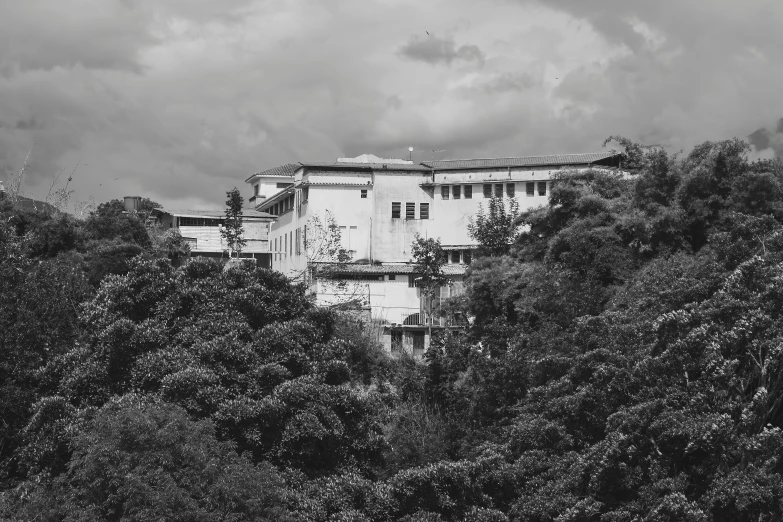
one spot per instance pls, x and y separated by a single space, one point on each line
496 229
233 230
429 258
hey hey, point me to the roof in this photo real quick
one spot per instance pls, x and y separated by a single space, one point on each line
214 214
369 166
525 161
287 170
276 197
386 268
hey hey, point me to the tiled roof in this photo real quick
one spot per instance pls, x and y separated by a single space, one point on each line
526 161
368 166
281 170
210 213
386 268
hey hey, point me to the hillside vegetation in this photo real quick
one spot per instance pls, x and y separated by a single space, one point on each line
624 362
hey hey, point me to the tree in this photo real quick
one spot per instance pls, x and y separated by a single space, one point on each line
146 460
232 230
496 229
429 258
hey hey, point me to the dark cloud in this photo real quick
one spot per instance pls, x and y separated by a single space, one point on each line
435 50
182 100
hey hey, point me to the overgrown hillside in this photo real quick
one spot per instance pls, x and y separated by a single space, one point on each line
623 363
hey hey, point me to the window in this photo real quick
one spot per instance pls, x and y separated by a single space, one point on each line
305 194
298 239
487 190
392 277
364 193
418 344
255 189
291 242
396 341
275 250
410 210
542 188
466 257
283 185
531 188
411 280
424 210
498 190
455 256
444 192
510 189
285 238
456 191
468 191
396 209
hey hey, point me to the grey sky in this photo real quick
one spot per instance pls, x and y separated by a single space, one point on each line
183 99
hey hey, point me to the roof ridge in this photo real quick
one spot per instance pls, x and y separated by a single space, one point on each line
519 157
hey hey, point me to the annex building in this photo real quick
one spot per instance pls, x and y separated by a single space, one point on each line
379 205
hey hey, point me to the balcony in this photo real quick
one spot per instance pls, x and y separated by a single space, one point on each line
399 316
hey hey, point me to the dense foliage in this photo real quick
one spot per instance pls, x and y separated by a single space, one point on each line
623 362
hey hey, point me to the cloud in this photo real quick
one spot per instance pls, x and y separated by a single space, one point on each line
434 50
182 100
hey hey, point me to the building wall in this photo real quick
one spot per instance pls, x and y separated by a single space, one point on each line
268 186
367 227
208 239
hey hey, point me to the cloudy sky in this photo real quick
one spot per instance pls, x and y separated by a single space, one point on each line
180 100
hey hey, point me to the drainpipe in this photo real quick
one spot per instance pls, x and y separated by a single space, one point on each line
372 212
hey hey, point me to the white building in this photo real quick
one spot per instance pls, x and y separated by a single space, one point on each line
201 229
379 206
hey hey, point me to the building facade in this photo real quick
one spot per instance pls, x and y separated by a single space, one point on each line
379 206
201 229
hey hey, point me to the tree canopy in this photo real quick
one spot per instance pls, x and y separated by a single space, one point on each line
622 363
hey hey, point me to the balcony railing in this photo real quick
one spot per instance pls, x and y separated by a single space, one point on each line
397 316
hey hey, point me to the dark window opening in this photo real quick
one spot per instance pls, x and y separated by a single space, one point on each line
305 194
455 256
510 189
424 210
531 188
396 341
499 190
418 344
392 277
487 190
364 193
542 188
444 192
284 185
467 256
468 191
456 191
396 205
410 210
199 222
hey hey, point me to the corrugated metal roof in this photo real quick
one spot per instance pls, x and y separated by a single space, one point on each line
386 268
349 183
368 166
211 213
525 161
281 170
